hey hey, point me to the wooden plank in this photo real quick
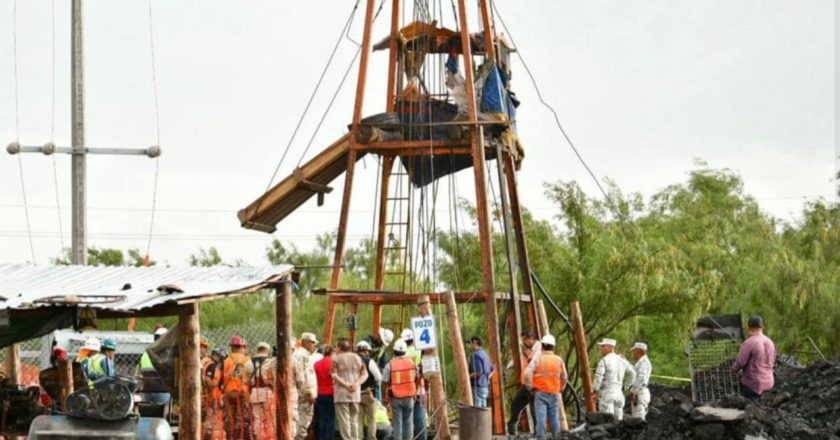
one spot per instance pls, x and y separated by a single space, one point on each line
438 402
583 357
13 364
189 425
459 355
521 245
284 379
65 381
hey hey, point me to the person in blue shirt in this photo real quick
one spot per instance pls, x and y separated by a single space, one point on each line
481 369
102 365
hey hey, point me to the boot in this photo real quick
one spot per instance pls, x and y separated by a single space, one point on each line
512 428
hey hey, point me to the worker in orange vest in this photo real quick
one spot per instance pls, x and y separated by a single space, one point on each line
400 375
211 394
237 387
546 376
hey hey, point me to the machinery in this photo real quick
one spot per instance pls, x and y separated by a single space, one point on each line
18 406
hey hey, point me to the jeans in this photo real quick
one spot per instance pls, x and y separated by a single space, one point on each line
402 409
521 400
325 409
546 405
419 420
480 396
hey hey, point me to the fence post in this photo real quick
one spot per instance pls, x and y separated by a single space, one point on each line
283 380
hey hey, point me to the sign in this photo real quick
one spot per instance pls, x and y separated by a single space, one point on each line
424 332
431 365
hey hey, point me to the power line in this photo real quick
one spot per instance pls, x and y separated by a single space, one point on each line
157 127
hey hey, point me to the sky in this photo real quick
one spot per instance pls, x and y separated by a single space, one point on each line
645 88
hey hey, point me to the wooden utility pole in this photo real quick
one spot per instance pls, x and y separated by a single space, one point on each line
65 381
284 380
13 363
189 424
583 357
438 400
459 355
542 318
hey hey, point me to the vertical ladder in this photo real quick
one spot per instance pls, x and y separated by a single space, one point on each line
398 239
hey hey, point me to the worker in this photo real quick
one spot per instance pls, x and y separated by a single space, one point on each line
546 376
152 377
480 369
639 392
399 378
523 398
211 394
367 410
379 343
348 374
422 401
203 353
101 365
757 358
305 383
609 379
324 403
262 392
90 348
383 425
236 387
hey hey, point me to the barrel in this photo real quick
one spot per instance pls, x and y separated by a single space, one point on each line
474 423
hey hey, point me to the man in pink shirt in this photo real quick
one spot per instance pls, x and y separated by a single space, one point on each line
757 358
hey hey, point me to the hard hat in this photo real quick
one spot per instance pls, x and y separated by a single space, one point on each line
161 331
92 344
309 337
639 346
203 342
220 352
263 346
363 345
607 341
407 334
548 340
386 335
60 354
109 344
400 346
237 341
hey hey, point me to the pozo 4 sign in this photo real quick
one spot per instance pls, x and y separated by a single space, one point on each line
423 328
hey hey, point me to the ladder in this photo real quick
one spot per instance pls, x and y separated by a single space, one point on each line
398 236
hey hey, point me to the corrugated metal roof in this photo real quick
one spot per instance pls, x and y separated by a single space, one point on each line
125 289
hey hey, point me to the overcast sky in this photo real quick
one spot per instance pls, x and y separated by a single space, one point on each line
644 87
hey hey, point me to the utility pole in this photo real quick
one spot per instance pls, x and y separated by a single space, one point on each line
77 150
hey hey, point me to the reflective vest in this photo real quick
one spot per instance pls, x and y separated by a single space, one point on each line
146 362
236 375
548 374
211 371
97 367
403 374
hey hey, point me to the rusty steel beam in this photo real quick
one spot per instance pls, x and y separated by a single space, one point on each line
521 245
392 59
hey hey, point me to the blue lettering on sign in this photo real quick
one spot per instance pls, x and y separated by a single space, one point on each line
425 336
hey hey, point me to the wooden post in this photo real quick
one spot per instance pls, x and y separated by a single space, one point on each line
542 318
65 381
284 379
13 364
438 400
583 357
456 340
522 249
189 426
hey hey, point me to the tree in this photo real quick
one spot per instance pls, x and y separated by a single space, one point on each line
206 257
105 257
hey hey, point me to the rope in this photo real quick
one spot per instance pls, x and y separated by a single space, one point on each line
157 130
52 129
17 128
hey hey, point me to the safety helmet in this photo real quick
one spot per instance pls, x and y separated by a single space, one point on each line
92 344
237 341
160 331
363 345
400 346
407 334
548 340
386 335
109 344
220 352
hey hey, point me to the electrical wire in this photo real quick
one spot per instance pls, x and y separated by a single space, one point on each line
157 128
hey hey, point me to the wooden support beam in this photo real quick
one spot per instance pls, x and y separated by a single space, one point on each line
393 55
189 425
438 401
13 364
521 246
583 357
542 318
392 298
284 379
459 355
65 381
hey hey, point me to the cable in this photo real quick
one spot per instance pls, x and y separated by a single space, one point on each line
157 128
17 128
550 108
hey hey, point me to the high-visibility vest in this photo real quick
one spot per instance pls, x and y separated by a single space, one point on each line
236 376
210 370
548 374
98 367
403 374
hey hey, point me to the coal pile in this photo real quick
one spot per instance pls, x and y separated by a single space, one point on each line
805 404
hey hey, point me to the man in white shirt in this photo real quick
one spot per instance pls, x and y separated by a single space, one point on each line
609 379
639 392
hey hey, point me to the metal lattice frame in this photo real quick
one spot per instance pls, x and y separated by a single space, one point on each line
710 364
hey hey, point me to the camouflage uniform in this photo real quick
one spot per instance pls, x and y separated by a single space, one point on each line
307 390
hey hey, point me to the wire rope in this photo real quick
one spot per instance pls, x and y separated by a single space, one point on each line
157 130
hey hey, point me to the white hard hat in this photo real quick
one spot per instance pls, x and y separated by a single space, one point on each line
607 341
548 340
407 334
161 331
309 337
639 346
92 344
363 345
386 335
400 346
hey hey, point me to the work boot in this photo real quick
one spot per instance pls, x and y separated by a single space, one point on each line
512 429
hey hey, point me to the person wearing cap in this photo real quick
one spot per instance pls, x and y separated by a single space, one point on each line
639 392
348 374
757 359
480 369
262 391
419 413
151 377
546 376
101 365
368 403
379 343
211 395
145 360
609 379
524 398
305 383
324 403
236 387
89 349
399 377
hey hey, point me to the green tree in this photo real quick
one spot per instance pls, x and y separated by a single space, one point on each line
206 257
